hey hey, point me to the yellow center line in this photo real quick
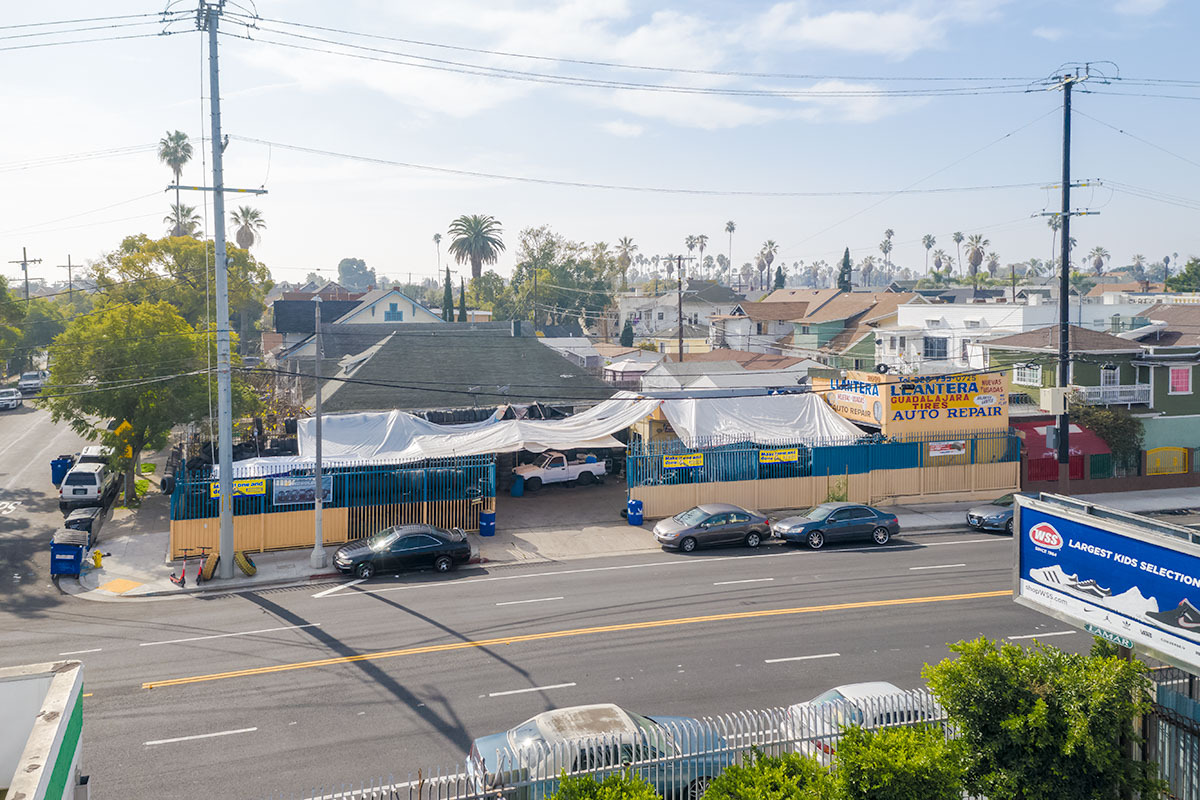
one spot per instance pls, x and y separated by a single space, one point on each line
534 637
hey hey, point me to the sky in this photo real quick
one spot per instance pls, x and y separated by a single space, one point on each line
819 115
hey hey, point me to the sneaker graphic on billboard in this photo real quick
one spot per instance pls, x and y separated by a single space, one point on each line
1183 616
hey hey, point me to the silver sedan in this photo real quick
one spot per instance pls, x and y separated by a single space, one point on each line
712 524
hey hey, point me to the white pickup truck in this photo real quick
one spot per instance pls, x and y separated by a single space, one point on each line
553 467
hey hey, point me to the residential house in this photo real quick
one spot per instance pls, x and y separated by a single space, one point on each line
842 332
695 340
650 316
757 327
378 306
627 374
675 376
578 349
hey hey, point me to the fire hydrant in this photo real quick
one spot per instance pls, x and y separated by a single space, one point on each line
96 558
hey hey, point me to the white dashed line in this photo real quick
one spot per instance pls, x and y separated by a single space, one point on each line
227 635
748 580
81 652
531 689
519 602
199 736
937 566
1042 635
800 658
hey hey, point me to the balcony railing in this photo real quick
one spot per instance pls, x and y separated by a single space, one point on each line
1115 395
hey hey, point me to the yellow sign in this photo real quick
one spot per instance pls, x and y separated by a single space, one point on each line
778 456
244 486
123 428
683 461
897 405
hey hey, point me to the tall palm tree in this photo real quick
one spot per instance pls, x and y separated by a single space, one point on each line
769 251
1034 267
1054 223
865 269
175 150
1098 257
885 247
747 274
1137 268
957 236
437 244
625 250
976 245
654 263
938 257
250 224
730 227
929 242
701 243
184 220
993 264
476 239
690 243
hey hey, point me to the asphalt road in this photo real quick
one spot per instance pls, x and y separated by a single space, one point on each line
289 689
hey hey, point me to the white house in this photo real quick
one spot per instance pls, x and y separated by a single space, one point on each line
375 307
650 315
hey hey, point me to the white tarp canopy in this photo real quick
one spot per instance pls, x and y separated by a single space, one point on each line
788 418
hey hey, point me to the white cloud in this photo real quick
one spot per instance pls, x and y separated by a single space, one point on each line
1049 34
626 130
1138 7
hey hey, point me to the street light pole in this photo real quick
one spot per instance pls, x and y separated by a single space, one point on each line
317 559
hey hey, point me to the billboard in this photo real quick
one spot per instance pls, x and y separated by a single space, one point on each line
242 487
1130 583
684 461
788 456
897 405
298 491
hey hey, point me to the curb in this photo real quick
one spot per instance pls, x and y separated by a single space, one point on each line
92 595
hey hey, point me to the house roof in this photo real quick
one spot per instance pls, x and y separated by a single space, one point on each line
884 305
855 304
750 361
1083 340
814 297
1183 325
439 366
299 316
1128 286
712 292
371 298
689 332
695 367
609 350
775 312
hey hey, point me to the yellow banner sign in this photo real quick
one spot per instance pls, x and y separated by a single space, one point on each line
966 402
683 461
778 456
243 486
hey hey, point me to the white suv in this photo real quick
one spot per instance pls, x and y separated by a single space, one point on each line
32 382
10 398
88 485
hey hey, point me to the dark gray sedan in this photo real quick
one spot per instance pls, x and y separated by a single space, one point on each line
712 524
830 522
996 515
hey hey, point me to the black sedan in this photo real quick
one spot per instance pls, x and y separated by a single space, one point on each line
405 547
837 521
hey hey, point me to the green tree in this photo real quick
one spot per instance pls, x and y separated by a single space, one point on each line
898 764
790 776
44 319
627 334
976 245
249 223
476 240
354 274
447 299
574 281
175 151
845 278
183 221
779 277
616 786
1119 428
462 301
625 250
1188 279
1042 724
492 293
1099 257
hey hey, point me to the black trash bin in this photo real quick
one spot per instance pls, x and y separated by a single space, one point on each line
89 520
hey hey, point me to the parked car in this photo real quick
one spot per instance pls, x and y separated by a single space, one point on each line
88 485
553 467
11 398
405 547
32 382
94 454
598 739
815 725
712 524
836 522
996 515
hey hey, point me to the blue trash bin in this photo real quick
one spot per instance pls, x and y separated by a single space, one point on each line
59 467
66 552
487 523
518 487
634 509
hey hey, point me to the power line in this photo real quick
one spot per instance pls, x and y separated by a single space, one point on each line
1137 138
78 30
156 15
87 41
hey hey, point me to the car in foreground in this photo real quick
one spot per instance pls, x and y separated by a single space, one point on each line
996 515
11 398
830 522
405 547
712 524
88 485
596 739
815 725
32 382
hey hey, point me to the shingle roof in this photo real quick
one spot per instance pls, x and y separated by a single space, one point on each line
747 359
299 316
1128 286
1183 324
1083 340
853 304
814 297
712 292
775 312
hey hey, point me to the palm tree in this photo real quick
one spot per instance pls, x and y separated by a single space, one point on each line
670 259
701 243
625 250
1098 257
476 239
747 274
690 243
437 243
975 247
885 247
769 250
957 236
175 150
1054 223
730 227
938 256
865 269
1137 269
993 264
1034 268
929 242
249 223
184 220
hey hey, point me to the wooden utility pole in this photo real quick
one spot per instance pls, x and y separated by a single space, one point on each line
70 282
25 262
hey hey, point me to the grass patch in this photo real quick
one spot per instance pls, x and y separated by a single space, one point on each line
141 487
148 469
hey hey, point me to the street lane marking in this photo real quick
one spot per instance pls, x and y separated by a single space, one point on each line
227 635
800 658
937 566
89 694
681 562
198 736
532 689
747 580
81 652
1042 635
561 634
324 592
519 602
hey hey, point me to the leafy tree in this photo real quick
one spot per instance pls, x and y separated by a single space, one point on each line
790 776
616 786
250 224
975 250
898 764
625 250
462 302
627 334
1187 280
477 240
183 221
1043 724
175 151
1081 282
44 319
447 299
1119 428
574 281
491 292
1099 257
1137 267
354 274
779 277
845 278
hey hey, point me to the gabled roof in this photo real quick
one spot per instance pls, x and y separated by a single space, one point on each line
1183 325
814 297
374 296
711 292
1128 286
1083 340
869 306
775 312
299 316
690 331
751 361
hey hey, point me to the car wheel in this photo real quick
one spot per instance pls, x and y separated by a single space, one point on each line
443 564
1008 528
533 484
697 788
585 479
815 540
881 535
753 539
688 544
365 570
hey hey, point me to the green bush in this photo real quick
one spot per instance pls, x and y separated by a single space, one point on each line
898 764
618 786
787 777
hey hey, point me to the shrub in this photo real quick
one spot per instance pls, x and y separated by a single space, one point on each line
618 786
787 777
898 764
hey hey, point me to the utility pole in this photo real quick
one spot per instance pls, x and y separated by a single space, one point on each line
70 283
317 559
679 296
25 262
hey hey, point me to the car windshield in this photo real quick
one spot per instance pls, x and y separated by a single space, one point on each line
820 512
545 462
30 376
9 393
384 539
1005 501
693 516
526 735
654 734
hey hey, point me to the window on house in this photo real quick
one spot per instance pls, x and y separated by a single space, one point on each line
660 316
963 353
1028 374
804 329
972 323
1181 380
759 328
393 314
935 348
1110 375
903 342
892 343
